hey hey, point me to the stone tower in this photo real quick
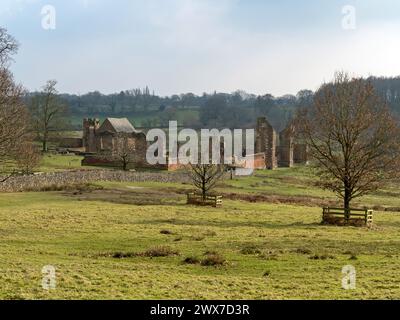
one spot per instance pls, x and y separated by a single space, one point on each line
90 127
266 142
286 149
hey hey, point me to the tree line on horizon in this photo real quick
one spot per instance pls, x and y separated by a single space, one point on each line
238 109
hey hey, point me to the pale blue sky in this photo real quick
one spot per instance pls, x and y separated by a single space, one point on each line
176 46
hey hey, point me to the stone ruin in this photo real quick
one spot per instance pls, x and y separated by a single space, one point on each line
266 143
272 149
90 129
102 143
286 147
285 154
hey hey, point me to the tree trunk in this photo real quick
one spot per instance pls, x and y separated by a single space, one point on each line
203 189
347 200
44 145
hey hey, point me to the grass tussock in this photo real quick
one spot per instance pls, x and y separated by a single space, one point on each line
251 249
266 274
160 251
213 260
123 255
322 257
191 260
166 232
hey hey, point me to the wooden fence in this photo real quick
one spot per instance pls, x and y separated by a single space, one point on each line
194 198
341 216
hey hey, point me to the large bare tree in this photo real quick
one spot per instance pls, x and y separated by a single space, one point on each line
48 113
205 176
13 118
352 137
8 47
13 114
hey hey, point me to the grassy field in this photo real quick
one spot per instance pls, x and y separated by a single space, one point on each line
52 163
104 243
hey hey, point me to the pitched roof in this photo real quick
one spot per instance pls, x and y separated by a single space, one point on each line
121 125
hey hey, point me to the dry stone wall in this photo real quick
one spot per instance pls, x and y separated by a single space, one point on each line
67 178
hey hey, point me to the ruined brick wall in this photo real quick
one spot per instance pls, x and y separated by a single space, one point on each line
106 148
300 154
266 142
106 143
141 145
90 127
286 147
257 162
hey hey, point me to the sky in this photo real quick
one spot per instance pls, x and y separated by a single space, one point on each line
180 46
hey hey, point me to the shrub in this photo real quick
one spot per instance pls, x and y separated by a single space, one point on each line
123 255
191 260
321 257
250 249
213 260
116 255
160 251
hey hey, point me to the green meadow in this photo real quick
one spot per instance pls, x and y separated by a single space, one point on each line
141 241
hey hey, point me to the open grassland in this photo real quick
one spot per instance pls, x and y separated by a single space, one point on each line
55 162
141 241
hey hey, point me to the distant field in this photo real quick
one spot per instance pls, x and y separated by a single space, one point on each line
51 163
273 250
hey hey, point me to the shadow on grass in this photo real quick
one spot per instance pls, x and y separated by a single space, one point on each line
147 197
228 224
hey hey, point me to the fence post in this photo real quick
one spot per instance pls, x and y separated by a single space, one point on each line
366 216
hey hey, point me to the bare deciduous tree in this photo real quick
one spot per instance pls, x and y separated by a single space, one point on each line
124 151
205 176
352 137
28 158
13 118
48 113
15 142
8 47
